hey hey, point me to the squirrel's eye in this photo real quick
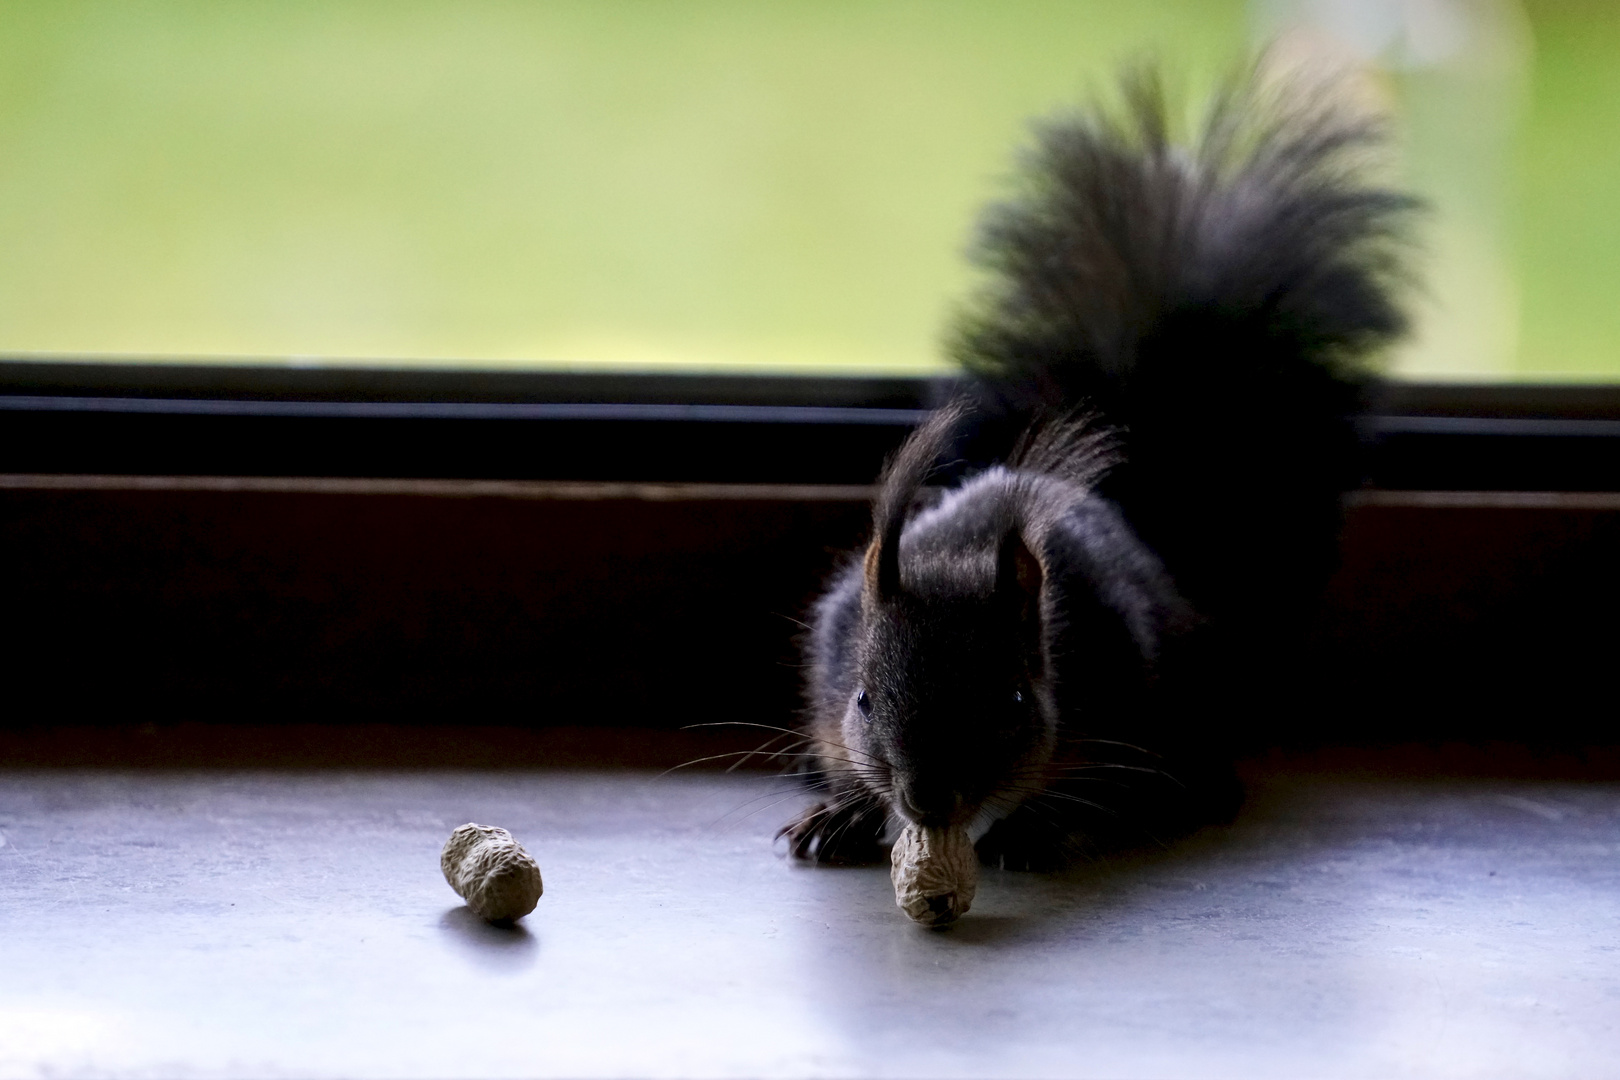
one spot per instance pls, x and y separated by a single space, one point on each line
1018 697
864 703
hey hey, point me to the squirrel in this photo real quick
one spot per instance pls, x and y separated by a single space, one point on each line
1110 539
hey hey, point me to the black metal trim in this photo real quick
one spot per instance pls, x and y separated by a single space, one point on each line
244 381
237 419
1380 427
466 410
1496 400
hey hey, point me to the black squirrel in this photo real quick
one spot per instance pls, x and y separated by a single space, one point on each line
1100 549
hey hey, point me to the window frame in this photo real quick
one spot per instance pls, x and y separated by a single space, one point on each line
82 416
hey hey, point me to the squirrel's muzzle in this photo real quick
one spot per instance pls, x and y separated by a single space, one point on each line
929 803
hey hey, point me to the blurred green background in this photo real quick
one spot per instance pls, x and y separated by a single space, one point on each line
709 183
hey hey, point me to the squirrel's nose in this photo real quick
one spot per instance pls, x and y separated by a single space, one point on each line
929 804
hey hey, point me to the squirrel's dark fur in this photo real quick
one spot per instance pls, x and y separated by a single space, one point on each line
1163 371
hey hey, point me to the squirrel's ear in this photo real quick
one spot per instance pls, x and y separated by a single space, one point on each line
1018 571
1018 581
882 568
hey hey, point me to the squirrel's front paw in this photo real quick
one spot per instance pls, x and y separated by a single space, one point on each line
1023 841
837 834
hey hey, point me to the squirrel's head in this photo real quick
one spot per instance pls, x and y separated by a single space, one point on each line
951 716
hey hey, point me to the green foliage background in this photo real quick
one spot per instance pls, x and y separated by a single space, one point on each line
1567 172
649 182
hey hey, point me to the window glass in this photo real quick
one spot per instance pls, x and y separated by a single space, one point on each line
690 184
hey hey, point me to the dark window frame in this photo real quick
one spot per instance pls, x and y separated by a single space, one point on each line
268 542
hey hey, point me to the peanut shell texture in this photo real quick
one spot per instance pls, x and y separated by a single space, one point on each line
491 871
935 873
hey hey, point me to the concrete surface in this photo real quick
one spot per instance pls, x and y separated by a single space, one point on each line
269 924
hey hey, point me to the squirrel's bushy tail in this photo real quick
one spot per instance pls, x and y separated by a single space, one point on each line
1266 237
1216 301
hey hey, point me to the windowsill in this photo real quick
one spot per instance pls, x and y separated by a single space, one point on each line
1349 924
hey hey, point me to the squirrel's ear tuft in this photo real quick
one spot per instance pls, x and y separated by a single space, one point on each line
903 477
